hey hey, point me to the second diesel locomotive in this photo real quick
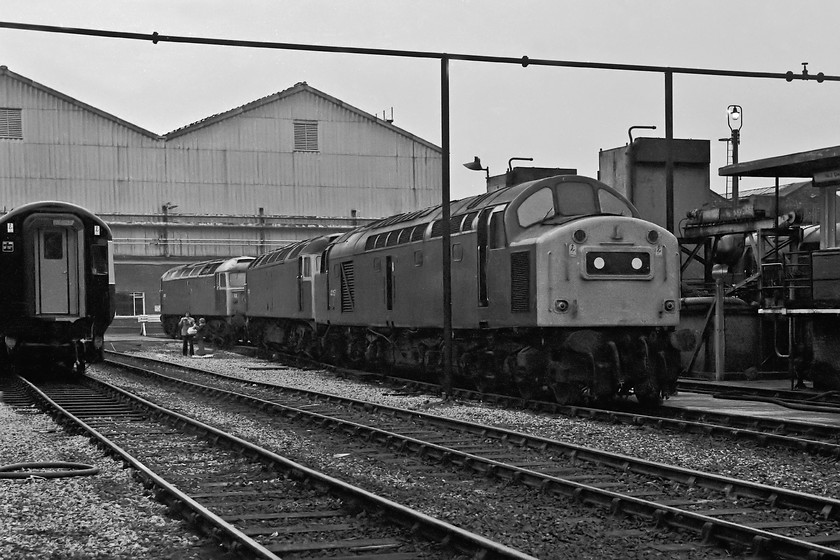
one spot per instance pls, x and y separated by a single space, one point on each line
57 286
214 290
559 289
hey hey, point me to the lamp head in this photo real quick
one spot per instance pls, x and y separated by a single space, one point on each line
474 165
734 117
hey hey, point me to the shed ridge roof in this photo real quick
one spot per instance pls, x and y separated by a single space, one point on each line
4 71
299 87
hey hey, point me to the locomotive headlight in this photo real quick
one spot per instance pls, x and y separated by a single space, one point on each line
579 236
11 342
670 305
653 236
599 263
561 305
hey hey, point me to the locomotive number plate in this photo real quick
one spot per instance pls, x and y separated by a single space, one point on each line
8 246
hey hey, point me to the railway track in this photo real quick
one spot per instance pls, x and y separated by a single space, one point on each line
763 519
810 437
259 504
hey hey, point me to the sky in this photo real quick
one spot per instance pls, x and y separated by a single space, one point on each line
560 117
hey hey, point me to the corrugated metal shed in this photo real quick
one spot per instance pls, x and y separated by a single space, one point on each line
247 162
231 163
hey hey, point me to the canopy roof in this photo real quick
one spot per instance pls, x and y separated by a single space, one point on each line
802 164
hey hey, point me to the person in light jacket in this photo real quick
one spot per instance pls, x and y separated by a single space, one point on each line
201 335
184 326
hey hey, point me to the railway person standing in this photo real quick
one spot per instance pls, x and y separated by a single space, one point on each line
200 335
187 329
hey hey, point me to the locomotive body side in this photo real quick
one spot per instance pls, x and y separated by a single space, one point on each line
280 292
57 288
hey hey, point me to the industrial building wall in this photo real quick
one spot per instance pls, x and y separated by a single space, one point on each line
69 153
249 161
230 185
234 166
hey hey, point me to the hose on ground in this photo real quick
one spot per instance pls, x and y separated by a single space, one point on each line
57 469
780 402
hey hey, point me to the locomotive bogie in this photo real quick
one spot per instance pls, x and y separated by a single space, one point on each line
57 290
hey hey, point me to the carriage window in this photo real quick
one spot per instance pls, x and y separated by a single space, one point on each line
611 204
576 199
536 207
99 259
53 245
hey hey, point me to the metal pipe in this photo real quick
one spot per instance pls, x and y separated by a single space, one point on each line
720 331
525 61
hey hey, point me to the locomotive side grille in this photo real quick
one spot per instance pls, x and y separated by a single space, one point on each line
348 287
520 282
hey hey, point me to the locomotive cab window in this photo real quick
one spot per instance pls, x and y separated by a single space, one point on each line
576 199
611 204
536 208
236 279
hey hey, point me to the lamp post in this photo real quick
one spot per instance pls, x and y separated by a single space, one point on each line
735 120
475 165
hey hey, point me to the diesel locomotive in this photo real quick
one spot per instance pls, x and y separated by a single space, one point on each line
559 290
57 286
214 290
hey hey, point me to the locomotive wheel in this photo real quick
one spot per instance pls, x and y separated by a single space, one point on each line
569 393
473 372
570 376
648 395
647 389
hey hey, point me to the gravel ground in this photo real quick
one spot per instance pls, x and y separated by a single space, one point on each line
85 517
54 518
743 460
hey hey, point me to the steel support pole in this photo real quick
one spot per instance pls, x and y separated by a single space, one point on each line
445 238
669 151
736 140
720 331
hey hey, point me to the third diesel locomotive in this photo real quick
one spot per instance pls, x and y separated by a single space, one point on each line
559 289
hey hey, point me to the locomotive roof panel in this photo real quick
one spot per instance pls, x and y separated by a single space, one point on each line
206 268
548 201
293 250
